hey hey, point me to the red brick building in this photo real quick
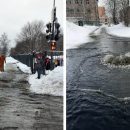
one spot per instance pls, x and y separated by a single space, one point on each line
102 15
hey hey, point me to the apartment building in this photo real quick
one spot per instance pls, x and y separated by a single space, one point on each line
82 11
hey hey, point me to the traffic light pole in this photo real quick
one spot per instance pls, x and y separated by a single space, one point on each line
53 35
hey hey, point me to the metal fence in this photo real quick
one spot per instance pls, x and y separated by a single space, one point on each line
27 59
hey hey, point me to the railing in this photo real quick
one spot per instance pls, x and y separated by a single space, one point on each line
27 59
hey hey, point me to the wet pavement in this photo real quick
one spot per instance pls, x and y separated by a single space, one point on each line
22 110
98 95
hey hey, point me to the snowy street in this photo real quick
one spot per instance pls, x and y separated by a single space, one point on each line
22 106
98 74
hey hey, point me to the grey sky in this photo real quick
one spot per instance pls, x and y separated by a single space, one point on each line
14 14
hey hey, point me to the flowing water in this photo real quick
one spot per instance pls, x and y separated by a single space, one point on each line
98 96
22 110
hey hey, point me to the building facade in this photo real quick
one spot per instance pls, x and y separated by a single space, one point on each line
102 16
82 11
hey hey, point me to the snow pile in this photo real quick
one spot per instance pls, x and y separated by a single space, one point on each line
77 35
14 65
127 54
108 58
51 84
118 61
119 30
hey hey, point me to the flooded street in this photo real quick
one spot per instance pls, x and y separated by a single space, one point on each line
22 110
98 95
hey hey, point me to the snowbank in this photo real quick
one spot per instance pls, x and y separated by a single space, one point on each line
77 35
14 65
51 84
119 30
117 61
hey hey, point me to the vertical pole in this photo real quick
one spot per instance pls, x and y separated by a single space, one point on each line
53 35
54 3
53 22
52 64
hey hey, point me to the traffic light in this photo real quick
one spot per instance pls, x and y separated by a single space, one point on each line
53 45
48 36
48 27
57 26
48 31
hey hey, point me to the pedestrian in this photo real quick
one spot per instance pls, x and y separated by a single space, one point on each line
43 63
61 61
33 67
2 61
56 62
39 65
47 63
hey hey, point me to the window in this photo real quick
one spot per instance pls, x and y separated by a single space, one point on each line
81 1
76 2
70 10
68 2
78 10
89 11
87 1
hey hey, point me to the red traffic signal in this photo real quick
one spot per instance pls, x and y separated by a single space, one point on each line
53 45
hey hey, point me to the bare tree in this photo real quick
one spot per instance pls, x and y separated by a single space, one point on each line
31 35
118 11
124 4
4 43
112 7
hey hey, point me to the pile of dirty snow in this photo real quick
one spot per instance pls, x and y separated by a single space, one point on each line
77 35
51 84
119 30
120 61
14 65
